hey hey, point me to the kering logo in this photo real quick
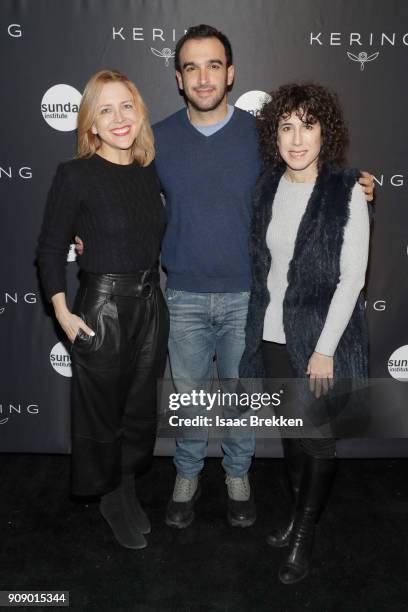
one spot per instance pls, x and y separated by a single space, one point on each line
379 305
395 180
8 410
60 106
362 57
356 39
15 298
398 364
338 39
24 172
140 34
14 30
166 53
60 360
252 101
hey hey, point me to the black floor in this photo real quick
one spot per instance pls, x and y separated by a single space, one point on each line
49 542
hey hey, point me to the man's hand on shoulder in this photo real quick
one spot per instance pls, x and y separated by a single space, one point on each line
79 245
366 180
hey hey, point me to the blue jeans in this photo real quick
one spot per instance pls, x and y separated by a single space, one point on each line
204 325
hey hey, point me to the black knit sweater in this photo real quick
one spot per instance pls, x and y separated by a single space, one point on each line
115 209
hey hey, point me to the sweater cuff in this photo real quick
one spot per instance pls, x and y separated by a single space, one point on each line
50 291
325 347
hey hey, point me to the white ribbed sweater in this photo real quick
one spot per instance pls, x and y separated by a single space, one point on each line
288 208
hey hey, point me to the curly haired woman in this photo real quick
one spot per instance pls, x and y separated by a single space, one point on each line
309 248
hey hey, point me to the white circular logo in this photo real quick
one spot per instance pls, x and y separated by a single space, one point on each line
398 363
59 107
252 101
60 360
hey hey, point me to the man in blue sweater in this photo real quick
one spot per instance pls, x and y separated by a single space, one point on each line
207 160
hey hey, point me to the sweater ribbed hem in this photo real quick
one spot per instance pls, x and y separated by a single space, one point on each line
205 284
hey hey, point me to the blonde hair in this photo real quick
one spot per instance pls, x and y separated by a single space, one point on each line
88 143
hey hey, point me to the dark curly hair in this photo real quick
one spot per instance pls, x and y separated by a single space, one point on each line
311 103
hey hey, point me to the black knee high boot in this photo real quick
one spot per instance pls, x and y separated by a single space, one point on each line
122 511
294 457
317 478
280 536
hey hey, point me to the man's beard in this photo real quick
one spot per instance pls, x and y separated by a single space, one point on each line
205 109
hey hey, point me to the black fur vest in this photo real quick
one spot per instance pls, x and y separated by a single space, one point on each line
313 274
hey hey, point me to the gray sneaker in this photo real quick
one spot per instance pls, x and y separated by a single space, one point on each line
180 509
238 487
184 489
241 506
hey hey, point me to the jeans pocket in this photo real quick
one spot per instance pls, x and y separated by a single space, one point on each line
172 294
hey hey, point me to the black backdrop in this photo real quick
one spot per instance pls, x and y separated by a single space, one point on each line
358 47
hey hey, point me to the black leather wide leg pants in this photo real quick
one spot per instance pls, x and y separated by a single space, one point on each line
115 375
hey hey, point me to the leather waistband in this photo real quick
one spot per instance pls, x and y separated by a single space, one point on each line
136 284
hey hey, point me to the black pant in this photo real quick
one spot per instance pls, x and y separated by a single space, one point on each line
277 366
115 374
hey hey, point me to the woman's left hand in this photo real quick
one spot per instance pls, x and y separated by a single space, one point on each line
320 371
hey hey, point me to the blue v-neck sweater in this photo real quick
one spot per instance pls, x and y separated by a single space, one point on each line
208 183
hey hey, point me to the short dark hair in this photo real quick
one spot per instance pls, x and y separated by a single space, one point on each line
316 103
203 31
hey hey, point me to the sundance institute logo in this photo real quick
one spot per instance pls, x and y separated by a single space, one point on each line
60 360
398 364
59 107
252 101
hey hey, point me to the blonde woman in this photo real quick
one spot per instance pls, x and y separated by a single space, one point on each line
118 327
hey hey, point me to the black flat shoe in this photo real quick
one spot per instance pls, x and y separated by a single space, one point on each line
114 514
